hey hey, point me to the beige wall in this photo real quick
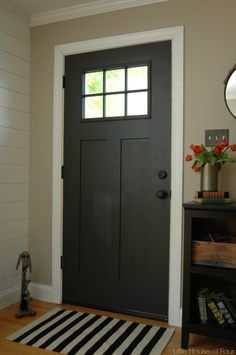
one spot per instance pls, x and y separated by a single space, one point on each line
209 54
14 146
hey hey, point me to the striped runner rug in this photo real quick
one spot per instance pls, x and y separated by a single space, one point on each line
72 332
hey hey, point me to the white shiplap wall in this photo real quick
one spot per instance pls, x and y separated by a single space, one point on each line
14 146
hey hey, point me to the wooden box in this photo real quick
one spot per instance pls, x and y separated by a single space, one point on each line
218 254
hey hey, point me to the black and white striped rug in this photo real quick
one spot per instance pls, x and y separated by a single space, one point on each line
72 332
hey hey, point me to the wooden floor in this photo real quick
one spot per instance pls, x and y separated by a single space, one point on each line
9 324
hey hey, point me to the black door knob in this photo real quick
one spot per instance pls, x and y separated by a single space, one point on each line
162 194
162 174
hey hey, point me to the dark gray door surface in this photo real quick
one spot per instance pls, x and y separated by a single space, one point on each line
116 211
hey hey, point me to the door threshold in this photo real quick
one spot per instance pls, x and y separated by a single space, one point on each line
121 311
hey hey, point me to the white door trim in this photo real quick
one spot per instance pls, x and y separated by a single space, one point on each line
176 35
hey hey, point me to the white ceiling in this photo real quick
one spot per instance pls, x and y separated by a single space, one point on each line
38 6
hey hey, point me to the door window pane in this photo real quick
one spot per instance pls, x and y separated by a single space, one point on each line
94 83
138 78
117 92
93 107
115 105
137 104
115 80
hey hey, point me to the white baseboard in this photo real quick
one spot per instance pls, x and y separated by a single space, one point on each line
41 292
10 296
37 291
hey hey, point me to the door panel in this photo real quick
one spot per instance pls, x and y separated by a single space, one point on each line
135 200
100 183
116 231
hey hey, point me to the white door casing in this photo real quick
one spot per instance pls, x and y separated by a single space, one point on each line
176 35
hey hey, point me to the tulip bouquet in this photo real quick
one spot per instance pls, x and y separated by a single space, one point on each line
215 155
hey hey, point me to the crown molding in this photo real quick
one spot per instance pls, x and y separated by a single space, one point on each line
92 8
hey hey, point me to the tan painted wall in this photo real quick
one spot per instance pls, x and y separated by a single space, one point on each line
210 53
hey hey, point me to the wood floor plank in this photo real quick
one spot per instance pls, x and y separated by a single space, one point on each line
10 324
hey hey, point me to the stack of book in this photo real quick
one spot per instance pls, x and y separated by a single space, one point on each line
212 197
215 308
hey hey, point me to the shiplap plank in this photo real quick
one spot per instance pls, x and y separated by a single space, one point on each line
14 100
14 119
14 138
12 249
9 155
13 193
12 22
14 211
14 64
13 230
8 265
10 174
14 141
14 82
14 46
8 247
9 281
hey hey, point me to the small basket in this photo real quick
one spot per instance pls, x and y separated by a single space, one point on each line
214 253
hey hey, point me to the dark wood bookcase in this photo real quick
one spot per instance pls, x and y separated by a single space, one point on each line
200 219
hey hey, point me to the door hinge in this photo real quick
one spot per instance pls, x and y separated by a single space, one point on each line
62 262
62 172
63 81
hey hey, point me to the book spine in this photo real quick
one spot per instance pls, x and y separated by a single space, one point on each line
202 308
231 308
214 194
213 200
218 314
227 315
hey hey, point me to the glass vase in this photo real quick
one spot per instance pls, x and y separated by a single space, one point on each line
209 177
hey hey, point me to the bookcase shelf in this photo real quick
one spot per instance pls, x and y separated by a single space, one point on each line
212 331
214 271
204 219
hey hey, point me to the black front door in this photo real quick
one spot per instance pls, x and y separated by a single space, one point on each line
117 181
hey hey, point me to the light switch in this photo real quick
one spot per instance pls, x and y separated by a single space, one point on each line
215 136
